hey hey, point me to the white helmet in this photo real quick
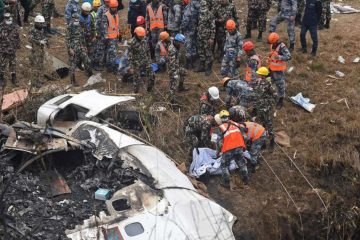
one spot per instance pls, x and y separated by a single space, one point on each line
39 19
86 6
214 92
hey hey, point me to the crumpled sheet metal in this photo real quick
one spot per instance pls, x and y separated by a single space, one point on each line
303 102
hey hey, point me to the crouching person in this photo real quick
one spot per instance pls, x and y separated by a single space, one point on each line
231 144
256 136
160 50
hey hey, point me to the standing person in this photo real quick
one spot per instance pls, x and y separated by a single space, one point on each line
9 44
75 43
136 8
140 60
208 101
99 55
232 145
110 30
325 15
205 38
287 12
232 51
188 27
161 52
12 7
257 11
2 7
38 41
26 5
312 14
253 61
95 6
174 17
47 11
88 27
156 17
175 71
278 57
224 11
72 6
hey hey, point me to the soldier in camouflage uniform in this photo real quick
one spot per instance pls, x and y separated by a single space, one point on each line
287 13
174 17
12 7
257 10
223 11
9 43
188 27
197 131
72 6
232 52
99 54
38 41
175 71
47 11
240 90
208 101
75 42
238 114
88 27
326 15
205 38
140 60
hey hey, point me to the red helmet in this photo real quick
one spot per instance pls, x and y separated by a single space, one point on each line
113 3
140 20
247 46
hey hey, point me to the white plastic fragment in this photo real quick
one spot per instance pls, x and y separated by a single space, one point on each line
356 60
340 74
290 69
303 102
94 79
28 47
341 59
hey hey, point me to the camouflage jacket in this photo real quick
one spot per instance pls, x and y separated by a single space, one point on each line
284 53
206 105
259 4
99 15
12 8
236 88
265 94
70 8
233 43
75 37
222 13
288 8
190 17
36 36
88 26
206 25
173 63
200 126
174 16
139 53
9 38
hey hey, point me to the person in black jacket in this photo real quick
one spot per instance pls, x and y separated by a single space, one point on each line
136 8
312 14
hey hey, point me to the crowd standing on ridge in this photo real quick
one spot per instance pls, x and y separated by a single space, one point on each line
162 31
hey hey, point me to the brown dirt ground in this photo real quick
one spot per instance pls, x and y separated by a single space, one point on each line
326 142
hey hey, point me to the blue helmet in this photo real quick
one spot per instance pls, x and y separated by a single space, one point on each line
180 38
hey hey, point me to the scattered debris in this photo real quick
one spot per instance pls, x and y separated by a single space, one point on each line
303 102
341 59
339 8
345 100
290 69
282 139
102 194
94 79
14 99
340 74
356 60
59 68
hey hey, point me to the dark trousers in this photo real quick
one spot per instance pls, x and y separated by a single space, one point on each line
313 33
26 5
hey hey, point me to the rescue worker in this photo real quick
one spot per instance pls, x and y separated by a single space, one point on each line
265 100
232 51
240 90
238 114
9 44
325 15
48 7
189 24
156 18
223 11
99 55
256 136
161 53
137 8
95 7
72 6
287 13
175 71
197 131
140 60
174 17
312 14
75 43
12 7
232 145
205 38
88 27
278 57
140 22
38 41
208 101
110 31
253 61
99 14
257 11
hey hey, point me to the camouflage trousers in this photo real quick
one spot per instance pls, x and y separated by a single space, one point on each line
264 115
176 82
237 155
278 77
47 11
154 38
80 57
7 60
99 52
146 70
190 44
326 12
290 25
110 50
256 148
229 66
205 51
256 15
37 62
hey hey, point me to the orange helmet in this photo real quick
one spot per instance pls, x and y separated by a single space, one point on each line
140 20
230 24
224 81
186 2
140 31
247 46
113 3
164 36
273 37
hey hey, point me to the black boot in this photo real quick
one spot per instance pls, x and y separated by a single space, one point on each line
89 73
2 80
73 80
188 64
272 143
200 67
327 24
248 33
208 69
280 103
13 80
259 38
292 46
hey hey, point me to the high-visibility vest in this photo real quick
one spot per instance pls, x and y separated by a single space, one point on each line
254 130
93 15
114 27
156 19
276 65
232 137
248 70
163 51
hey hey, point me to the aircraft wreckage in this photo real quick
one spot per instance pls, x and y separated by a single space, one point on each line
72 177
